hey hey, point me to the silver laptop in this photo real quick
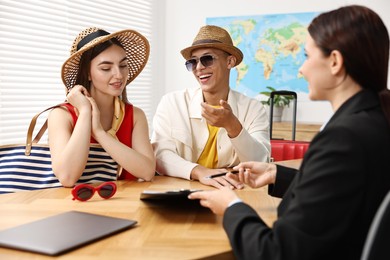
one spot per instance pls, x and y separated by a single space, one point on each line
60 233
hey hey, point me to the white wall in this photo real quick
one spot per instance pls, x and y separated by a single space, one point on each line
185 17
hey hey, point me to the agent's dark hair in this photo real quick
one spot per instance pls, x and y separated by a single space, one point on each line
85 64
362 38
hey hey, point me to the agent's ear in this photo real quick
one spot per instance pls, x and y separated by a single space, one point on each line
336 62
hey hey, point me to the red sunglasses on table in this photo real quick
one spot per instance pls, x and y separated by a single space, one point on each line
84 192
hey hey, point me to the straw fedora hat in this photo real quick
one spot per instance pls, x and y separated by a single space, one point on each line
136 47
211 36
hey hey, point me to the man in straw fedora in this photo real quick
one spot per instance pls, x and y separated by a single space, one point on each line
204 131
100 66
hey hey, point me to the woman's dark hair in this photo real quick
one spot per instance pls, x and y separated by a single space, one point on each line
85 64
362 38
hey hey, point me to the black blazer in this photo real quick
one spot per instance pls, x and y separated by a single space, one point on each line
329 203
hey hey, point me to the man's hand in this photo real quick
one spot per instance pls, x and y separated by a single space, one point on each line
202 174
222 117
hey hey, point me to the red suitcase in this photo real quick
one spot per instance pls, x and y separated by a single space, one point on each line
282 150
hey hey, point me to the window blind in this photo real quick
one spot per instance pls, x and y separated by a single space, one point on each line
36 36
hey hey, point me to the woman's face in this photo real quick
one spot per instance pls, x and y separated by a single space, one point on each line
316 70
108 71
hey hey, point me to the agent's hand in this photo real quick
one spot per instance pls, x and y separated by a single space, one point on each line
78 97
202 174
255 174
216 200
222 117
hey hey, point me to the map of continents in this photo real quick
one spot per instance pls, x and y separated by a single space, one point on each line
273 48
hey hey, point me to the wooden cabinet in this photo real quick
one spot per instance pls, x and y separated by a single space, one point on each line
304 131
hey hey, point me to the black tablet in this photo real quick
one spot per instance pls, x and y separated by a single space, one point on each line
166 195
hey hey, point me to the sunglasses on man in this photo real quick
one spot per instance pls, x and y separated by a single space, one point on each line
84 192
206 60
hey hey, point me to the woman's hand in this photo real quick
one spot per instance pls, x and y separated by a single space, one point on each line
96 123
255 174
78 97
216 200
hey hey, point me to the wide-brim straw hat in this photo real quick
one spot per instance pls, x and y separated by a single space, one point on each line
211 36
136 47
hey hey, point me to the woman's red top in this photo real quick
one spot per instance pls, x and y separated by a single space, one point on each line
124 133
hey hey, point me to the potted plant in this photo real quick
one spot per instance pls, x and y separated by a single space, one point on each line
280 102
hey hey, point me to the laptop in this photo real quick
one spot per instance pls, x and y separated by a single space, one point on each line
63 232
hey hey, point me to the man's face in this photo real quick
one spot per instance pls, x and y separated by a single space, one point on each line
213 73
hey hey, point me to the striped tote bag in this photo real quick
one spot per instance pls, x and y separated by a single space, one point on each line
27 166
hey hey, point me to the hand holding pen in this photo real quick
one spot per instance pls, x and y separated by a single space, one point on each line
206 176
235 184
220 174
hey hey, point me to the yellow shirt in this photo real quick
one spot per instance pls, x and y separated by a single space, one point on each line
209 156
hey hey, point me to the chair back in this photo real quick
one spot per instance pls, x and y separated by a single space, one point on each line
377 242
282 150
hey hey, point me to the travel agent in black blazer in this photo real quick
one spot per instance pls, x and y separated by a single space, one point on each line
329 203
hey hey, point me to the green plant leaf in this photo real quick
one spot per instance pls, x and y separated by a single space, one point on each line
279 100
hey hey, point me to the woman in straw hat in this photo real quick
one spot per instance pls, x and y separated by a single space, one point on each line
201 132
329 203
95 75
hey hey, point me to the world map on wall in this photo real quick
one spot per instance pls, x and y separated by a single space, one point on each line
273 48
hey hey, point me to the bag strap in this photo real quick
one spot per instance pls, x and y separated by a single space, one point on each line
30 141
30 130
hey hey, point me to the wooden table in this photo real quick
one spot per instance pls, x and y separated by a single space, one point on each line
296 163
186 231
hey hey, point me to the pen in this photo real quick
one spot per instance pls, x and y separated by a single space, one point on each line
220 174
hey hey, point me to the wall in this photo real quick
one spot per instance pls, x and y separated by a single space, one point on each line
185 17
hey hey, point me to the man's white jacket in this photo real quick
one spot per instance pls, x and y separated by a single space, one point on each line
180 134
